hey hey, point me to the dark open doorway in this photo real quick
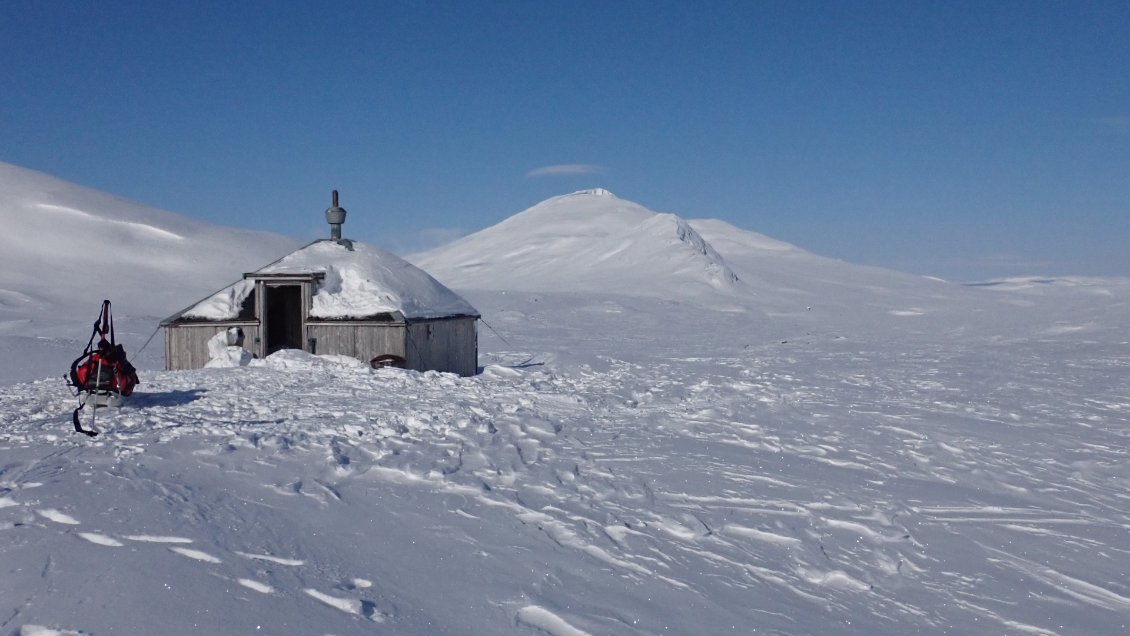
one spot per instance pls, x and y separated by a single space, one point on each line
284 317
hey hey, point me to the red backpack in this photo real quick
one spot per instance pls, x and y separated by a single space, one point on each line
101 375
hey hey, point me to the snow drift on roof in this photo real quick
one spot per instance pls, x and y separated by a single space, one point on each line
357 283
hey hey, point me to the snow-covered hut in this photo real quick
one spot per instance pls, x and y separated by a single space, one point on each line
334 296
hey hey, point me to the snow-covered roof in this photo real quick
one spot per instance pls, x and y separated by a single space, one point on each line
358 281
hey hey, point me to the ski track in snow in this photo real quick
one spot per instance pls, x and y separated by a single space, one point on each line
824 478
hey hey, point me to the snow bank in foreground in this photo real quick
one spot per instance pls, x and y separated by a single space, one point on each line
611 476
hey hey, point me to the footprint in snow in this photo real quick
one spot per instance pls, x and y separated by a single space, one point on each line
272 559
39 630
101 539
261 588
257 586
58 517
546 621
196 554
357 607
362 584
148 538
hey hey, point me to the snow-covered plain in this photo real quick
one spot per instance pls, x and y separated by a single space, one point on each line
805 447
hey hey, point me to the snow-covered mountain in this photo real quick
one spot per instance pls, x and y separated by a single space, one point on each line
856 451
594 242
588 241
64 248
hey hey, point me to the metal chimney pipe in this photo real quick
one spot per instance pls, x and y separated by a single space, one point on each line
335 216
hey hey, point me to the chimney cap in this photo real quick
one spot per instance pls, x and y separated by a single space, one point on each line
335 216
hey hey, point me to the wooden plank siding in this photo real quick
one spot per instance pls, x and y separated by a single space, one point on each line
363 341
443 345
449 345
186 344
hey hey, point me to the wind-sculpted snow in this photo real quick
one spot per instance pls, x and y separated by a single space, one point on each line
611 480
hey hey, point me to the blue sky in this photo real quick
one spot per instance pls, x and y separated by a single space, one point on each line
961 139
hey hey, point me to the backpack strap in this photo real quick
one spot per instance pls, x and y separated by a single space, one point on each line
78 427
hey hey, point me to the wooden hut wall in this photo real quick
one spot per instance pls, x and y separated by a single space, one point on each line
444 345
186 345
363 341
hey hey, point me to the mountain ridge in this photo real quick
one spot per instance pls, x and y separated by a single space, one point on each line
594 241
68 247
589 240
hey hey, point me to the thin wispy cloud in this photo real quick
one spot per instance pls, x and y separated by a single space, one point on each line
565 169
